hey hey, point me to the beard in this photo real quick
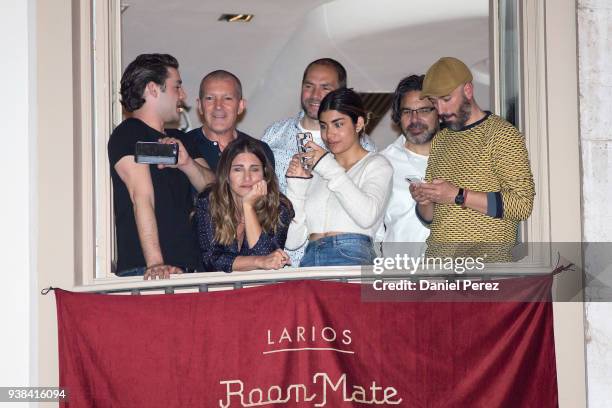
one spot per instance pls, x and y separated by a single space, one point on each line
421 138
306 107
462 116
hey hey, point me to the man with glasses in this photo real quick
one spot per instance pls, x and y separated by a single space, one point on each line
417 118
478 185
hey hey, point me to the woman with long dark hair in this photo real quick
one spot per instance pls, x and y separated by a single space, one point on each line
243 218
340 195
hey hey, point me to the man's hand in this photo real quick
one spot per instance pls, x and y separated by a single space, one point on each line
197 171
183 157
259 189
296 169
418 195
438 191
161 271
426 194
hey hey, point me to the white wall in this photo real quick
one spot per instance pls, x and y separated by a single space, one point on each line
17 209
595 54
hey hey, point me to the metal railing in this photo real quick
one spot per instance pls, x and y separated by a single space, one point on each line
214 281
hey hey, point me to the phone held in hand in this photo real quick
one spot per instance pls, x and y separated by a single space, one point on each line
156 153
302 139
413 179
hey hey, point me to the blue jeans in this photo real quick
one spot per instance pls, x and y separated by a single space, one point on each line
339 250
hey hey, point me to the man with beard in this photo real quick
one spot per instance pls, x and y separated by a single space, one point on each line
479 184
402 230
320 78
152 202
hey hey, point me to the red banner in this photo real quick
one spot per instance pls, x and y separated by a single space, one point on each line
307 343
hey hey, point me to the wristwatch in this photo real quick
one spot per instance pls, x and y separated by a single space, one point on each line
460 198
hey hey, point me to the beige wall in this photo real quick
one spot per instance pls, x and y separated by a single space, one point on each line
56 172
564 187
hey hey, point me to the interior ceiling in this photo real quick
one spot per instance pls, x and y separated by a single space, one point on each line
189 30
379 42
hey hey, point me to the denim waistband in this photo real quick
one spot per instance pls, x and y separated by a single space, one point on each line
341 238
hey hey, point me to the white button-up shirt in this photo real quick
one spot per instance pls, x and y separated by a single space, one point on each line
401 224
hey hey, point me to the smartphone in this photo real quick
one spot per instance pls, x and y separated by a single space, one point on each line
156 153
302 140
413 179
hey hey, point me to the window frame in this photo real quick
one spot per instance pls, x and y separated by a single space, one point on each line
97 81
101 68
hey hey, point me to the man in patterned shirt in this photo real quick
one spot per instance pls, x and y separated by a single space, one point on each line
479 184
320 78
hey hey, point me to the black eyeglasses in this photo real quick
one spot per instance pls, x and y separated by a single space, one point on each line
419 111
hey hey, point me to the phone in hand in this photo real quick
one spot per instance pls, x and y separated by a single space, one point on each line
156 153
413 179
302 139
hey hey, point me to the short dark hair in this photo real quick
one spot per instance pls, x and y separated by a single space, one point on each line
409 84
345 101
333 64
144 69
221 74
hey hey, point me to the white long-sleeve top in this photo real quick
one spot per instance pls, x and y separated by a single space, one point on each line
334 199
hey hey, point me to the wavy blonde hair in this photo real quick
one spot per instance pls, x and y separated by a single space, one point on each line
223 209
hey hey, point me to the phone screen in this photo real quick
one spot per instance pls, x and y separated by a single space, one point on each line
302 140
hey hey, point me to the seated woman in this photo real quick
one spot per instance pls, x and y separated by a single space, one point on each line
340 202
242 218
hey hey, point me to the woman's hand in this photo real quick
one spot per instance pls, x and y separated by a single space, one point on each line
296 169
314 154
252 227
275 260
259 189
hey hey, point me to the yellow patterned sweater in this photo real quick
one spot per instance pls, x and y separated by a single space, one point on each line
489 156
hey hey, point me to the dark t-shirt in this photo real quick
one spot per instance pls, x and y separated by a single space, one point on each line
211 152
173 201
